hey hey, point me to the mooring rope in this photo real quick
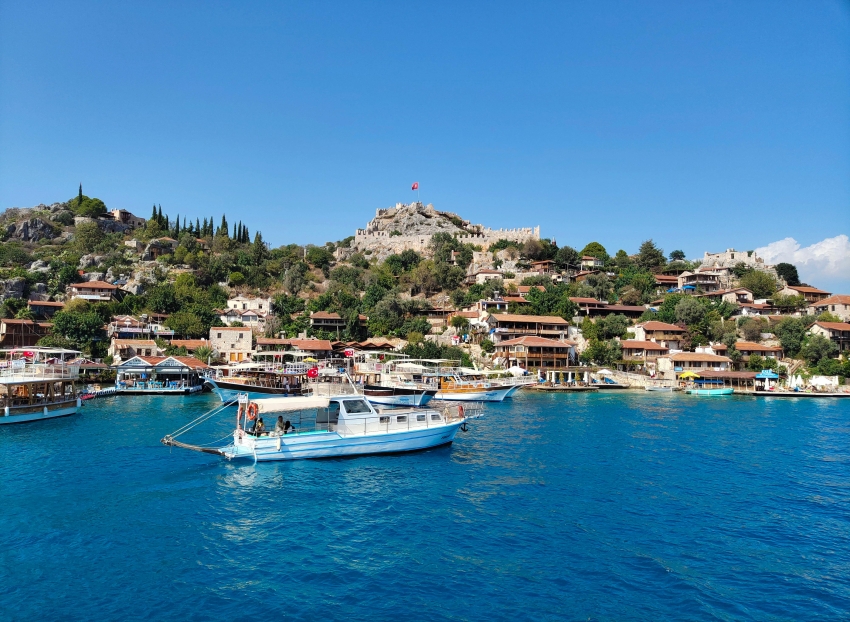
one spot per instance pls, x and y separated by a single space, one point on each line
207 415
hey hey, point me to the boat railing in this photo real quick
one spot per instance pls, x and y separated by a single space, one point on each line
394 421
37 371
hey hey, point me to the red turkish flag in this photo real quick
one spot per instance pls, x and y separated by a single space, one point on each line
415 186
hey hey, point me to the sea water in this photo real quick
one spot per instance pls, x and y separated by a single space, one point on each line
608 506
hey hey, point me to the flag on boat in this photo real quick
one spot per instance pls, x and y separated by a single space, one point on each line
415 186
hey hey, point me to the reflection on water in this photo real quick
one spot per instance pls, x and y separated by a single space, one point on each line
628 505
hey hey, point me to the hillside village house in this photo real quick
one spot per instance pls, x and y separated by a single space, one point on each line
530 352
44 308
646 351
125 349
250 303
20 333
811 294
839 305
591 263
664 283
837 332
93 291
692 361
738 295
323 320
544 266
668 335
127 218
232 343
129 327
482 276
507 326
250 318
700 281
749 348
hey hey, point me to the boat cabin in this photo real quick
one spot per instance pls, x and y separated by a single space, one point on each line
37 383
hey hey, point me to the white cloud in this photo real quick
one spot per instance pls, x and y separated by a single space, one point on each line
828 259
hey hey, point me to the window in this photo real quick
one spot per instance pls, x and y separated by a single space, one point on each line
401 418
420 417
354 407
219 336
385 419
436 417
240 336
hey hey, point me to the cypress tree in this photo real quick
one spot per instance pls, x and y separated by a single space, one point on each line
153 214
234 232
177 227
159 218
198 233
224 230
247 238
80 196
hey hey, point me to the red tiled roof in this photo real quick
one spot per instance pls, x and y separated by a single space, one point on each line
536 319
44 303
139 343
268 341
834 325
700 357
836 299
749 346
634 344
655 325
530 340
190 344
587 301
524 289
94 285
248 328
324 315
626 308
311 345
807 290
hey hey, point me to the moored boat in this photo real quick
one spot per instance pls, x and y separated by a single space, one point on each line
710 392
328 427
38 383
413 394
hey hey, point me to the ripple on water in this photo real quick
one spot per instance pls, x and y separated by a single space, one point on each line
606 506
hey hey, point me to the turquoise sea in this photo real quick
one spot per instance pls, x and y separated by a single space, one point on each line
629 506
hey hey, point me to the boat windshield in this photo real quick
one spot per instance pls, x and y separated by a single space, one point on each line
354 407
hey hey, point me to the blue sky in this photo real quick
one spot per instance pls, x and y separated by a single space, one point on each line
703 125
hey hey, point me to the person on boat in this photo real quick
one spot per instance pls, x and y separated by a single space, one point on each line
285 387
278 427
260 428
288 428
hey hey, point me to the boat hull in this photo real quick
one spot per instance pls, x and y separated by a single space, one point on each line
710 392
29 414
398 396
312 445
476 395
659 389
229 391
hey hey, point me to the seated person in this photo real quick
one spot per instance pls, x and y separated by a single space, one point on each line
288 428
260 428
278 427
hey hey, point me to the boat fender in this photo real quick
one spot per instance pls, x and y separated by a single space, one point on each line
279 441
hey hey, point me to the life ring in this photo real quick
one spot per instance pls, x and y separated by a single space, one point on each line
253 409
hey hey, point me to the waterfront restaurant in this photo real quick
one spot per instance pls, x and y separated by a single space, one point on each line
531 352
506 326
160 375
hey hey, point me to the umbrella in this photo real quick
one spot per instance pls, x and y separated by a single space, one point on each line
605 372
310 359
689 374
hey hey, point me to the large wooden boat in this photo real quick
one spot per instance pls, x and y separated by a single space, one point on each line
38 383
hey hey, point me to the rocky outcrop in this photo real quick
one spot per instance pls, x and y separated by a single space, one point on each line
31 230
39 266
87 261
12 288
107 225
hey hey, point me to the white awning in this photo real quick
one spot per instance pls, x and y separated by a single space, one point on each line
289 404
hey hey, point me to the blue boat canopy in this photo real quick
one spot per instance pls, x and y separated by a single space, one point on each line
767 374
689 287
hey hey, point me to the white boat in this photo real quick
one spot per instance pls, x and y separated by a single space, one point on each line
38 383
658 388
330 427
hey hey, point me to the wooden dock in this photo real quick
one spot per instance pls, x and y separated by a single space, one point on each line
560 388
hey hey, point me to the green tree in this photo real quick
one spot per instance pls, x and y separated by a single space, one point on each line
817 347
567 257
80 328
595 249
87 237
677 255
791 332
690 311
236 279
459 322
788 272
319 257
82 205
614 325
760 283
650 256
